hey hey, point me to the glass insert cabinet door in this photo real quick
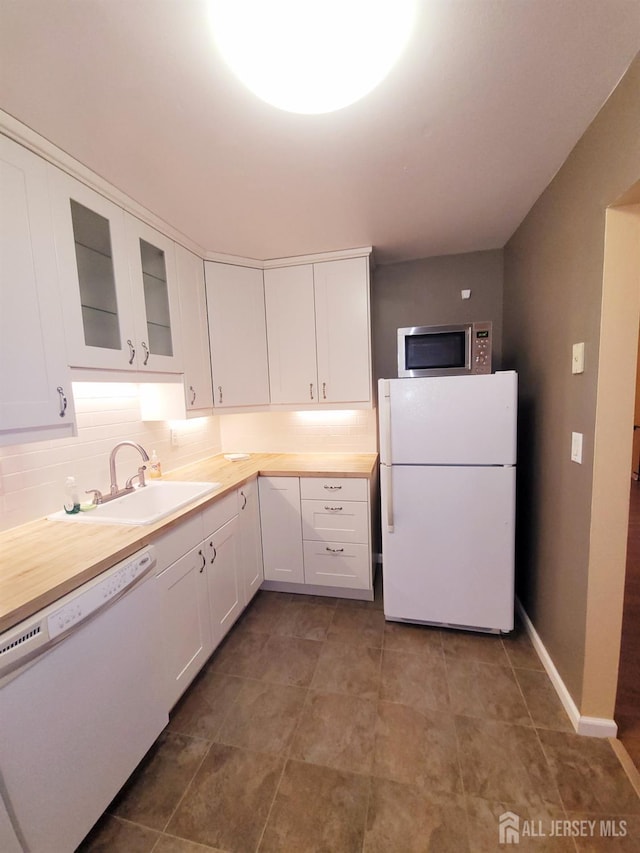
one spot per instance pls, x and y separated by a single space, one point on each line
155 295
92 254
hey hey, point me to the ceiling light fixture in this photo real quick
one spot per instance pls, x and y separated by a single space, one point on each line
311 56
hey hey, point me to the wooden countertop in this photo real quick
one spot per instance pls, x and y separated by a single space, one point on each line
44 560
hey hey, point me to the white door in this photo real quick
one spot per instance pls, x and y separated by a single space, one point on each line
343 330
251 568
195 332
281 529
186 628
223 578
450 557
35 382
238 335
91 249
291 334
457 420
155 298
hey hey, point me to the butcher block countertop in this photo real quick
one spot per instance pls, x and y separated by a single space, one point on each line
44 560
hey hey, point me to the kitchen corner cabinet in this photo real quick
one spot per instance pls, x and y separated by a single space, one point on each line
195 333
318 327
316 535
118 282
35 385
237 334
251 564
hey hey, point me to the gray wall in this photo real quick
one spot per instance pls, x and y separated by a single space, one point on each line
552 299
427 291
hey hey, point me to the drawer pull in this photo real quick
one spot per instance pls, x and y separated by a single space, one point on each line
332 488
334 550
333 508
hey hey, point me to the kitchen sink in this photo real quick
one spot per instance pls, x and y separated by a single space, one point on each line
142 506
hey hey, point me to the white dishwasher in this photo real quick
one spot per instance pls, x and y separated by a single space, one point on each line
80 704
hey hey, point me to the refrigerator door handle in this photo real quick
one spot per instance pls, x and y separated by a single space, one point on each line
388 473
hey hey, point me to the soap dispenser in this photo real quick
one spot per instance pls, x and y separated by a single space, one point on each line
155 467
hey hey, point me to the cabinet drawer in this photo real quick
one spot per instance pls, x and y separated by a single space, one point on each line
337 564
171 545
343 488
219 512
335 521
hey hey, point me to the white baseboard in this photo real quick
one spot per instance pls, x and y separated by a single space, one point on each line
590 726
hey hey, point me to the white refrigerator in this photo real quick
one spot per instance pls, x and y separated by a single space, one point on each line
448 477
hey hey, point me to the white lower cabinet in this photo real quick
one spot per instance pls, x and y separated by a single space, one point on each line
281 529
316 532
223 579
251 565
198 571
186 622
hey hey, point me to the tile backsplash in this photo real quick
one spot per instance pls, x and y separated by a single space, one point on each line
32 476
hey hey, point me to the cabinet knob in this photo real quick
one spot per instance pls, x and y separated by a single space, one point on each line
244 500
193 398
63 401
219 393
215 553
333 508
146 353
204 561
311 390
324 390
132 351
334 550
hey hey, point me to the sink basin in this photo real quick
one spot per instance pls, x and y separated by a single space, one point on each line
142 506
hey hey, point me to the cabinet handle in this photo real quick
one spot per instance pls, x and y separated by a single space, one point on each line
146 352
331 488
63 401
132 351
219 393
193 399
334 550
244 500
311 390
215 553
324 390
204 561
334 508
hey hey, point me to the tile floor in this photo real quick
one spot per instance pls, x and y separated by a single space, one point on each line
316 726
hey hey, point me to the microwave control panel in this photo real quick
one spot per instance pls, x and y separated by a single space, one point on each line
481 348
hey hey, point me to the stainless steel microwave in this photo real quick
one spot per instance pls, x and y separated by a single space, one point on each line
445 350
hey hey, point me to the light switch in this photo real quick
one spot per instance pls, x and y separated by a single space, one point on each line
576 447
577 358
465 294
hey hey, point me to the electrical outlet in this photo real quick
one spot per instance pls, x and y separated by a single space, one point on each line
175 438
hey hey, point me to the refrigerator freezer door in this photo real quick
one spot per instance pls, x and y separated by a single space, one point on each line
452 420
450 557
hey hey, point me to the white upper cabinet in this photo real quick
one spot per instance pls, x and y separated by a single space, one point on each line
94 273
156 302
291 334
195 332
237 333
343 337
35 387
319 332
118 281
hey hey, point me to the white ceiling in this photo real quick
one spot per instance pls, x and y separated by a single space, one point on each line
446 156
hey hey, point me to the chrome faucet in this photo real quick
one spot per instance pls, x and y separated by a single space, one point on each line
112 466
115 492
